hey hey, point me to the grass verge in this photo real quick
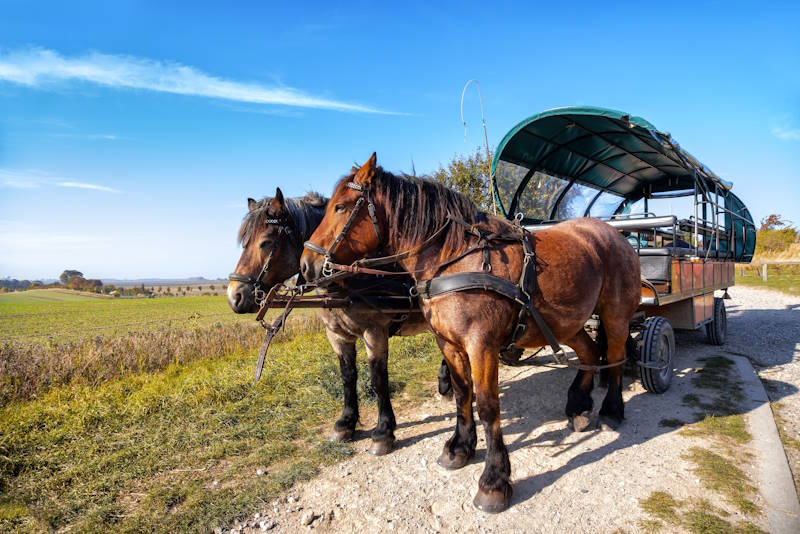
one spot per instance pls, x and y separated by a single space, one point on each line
699 516
719 421
785 278
180 449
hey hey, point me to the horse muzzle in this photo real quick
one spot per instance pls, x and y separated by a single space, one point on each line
241 297
311 268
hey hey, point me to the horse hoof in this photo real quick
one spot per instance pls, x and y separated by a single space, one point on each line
581 423
379 448
342 435
608 422
493 502
453 461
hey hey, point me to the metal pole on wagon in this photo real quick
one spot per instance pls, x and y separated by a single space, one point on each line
485 137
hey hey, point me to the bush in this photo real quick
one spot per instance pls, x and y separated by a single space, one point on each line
775 241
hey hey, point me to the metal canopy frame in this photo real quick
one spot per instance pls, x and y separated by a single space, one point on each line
631 159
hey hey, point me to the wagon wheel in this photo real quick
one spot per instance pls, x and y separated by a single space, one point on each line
658 349
717 329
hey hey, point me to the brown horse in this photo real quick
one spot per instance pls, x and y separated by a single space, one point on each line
584 266
272 235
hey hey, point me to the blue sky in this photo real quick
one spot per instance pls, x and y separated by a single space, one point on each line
131 133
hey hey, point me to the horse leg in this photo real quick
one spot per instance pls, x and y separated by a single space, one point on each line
460 448
494 487
345 349
579 396
376 341
445 387
613 410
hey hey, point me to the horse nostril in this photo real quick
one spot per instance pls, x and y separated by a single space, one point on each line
237 299
304 269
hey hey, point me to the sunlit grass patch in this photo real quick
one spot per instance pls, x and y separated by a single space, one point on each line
665 514
728 427
721 475
785 278
662 505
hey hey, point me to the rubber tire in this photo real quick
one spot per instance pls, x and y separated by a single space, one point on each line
717 329
657 337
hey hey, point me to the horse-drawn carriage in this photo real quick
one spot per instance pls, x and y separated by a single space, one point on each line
486 286
593 162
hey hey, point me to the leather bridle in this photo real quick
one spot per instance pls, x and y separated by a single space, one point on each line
327 266
259 293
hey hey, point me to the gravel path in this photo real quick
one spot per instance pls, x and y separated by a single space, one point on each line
563 481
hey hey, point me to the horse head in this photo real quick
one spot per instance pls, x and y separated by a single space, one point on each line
353 226
271 236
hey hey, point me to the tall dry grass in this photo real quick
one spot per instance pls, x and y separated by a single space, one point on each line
792 253
28 369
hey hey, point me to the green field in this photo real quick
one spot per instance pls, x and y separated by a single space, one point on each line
785 278
163 429
38 314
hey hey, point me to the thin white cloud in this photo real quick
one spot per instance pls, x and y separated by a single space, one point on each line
786 134
22 179
92 187
38 67
34 179
90 136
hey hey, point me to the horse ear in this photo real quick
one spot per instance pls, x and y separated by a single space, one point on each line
278 203
251 204
366 173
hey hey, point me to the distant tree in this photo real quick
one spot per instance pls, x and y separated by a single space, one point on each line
212 287
775 235
773 222
199 288
469 175
68 275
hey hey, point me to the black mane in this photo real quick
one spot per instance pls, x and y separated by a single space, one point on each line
420 207
306 212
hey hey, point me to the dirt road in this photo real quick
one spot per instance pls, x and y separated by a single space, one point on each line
563 481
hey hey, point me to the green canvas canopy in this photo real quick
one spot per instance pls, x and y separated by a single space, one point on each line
567 162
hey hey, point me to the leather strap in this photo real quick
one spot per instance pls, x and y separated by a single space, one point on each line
453 283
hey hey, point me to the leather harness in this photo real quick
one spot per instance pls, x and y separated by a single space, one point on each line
441 285
259 294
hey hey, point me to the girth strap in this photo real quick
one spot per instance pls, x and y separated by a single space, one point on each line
453 283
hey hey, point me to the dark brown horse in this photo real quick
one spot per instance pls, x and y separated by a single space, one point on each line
584 266
272 236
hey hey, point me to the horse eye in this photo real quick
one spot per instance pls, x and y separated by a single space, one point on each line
264 243
339 208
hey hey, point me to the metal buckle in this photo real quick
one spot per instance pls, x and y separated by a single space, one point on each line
486 267
327 268
518 218
413 291
518 332
259 295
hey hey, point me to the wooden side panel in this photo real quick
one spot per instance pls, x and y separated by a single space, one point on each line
676 276
686 276
697 275
708 273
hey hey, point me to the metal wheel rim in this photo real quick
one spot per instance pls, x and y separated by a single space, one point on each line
663 357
